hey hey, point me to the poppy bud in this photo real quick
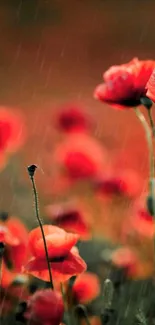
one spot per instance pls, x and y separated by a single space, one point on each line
31 170
108 291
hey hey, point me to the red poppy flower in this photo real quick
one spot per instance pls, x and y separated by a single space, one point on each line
86 287
70 219
59 242
150 86
15 236
45 307
124 182
140 221
64 258
18 254
7 237
81 156
7 276
12 131
63 268
127 258
125 84
143 223
72 119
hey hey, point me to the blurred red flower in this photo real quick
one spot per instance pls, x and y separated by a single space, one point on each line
125 84
120 182
7 276
7 237
18 253
150 86
64 258
81 156
128 259
14 235
70 219
12 132
125 258
45 307
86 287
140 221
72 119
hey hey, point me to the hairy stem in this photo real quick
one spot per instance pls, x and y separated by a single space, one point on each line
150 148
149 110
40 224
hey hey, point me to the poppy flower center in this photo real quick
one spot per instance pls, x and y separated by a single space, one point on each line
58 259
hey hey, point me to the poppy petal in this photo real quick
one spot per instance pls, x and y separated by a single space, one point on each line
72 265
151 87
58 241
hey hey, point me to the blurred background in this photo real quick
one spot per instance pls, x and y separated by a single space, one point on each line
54 52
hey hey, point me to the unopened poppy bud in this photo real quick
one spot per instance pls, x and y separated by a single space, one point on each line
4 216
108 291
150 202
31 170
147 102
2 249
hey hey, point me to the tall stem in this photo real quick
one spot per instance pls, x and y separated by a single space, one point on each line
31 174
150 147
149 110
151 155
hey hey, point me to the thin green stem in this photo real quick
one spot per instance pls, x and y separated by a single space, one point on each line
150 147
41 228
63 294
151 158
149 110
